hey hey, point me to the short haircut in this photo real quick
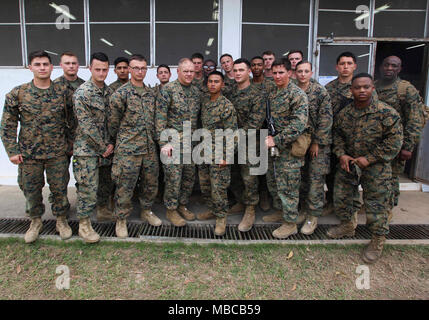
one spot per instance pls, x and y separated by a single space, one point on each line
303 62
295 51
363 75
198 56
242 60
137 56
226 55
210 61
257 57
183 60
68 53
347 54
99 56
216 73
163 66
268 53
39 54
118 60
282 62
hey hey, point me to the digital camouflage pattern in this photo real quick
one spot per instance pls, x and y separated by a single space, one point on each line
340 95
229 86
199 83
116 85
376 134
289 110
215 180
131 122
266 86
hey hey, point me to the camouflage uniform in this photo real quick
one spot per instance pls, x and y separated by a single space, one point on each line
175 104
314 171
132 122
229 87
289 110
410 111
91 170
42 141
199 83
116 85
249 107
376 134
214 180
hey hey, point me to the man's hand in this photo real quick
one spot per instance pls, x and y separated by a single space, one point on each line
344 162
405 155
223 163
108 151
167 150
16 159
362 162
269 142
314 150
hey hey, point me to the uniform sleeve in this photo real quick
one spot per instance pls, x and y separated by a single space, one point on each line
256 113
116 112
230 122
9 123
412 121
323 132
86 123
296 122
161 110
339 144
71 117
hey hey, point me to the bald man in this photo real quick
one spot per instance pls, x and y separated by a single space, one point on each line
405 99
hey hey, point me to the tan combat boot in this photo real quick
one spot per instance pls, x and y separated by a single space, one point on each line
275 217
248 219
374 250
104 213
264 201
175 218
344 229
309 225
206 215
121 228
33 232
63 228
236 208
220 226
86 232
287 229
150 217
188 215
302 216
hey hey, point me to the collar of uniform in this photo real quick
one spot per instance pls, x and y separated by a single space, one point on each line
372 108
134 88
40 91
245 90
96 88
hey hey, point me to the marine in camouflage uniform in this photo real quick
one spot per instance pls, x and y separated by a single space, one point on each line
116 85
228 87
91 170
199 83
132 122
314 171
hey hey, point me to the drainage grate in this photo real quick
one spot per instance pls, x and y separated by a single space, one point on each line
206 231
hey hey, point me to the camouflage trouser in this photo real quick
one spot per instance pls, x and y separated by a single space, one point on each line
313 179
214 182
398 167
376 183
31 181
179 182
283 183
244 186
67 179
94 184
126 170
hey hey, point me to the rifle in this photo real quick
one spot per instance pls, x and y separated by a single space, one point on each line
274 152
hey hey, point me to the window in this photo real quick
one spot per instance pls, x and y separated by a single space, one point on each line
282 24
10 33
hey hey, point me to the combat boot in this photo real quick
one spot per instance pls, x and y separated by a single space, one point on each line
86 232
374 250
275 217
206 215
33 232
355 219
175 218
328 209
63 228
121 228
264 201
104 213
301 217
309 225
249 218
287 229
150 217
236 208
188 215
220 226
344 229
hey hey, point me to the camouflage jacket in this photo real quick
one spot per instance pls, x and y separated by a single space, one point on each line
409 109
115 85
219 114
229 87
131 121
174 105
199 83
319 114
91 105
289 110
374 132
250 107
265 86
42 116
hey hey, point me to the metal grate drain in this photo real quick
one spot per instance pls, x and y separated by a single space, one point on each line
206 231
